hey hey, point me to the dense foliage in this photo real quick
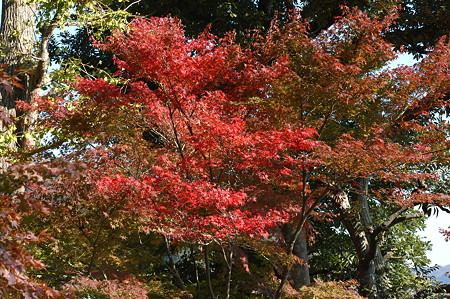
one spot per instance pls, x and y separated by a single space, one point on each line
197 166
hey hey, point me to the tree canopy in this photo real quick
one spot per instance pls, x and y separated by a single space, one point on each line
203 160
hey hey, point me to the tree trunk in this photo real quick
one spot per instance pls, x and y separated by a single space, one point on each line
300 272
17 43
299 275
372 267
359 224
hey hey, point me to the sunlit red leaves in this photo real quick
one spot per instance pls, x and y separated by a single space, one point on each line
199 104
277 156
183 70
244 140
193 211
225 137
248 138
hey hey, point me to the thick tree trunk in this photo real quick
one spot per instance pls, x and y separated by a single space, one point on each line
372 266
299 274
17 31
359 224
17 43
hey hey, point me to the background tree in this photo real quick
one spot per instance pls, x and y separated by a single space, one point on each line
419 26
318 98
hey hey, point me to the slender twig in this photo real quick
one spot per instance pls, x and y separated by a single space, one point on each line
172 267
175 132
197 280
208 273
325 121
135 2
229 262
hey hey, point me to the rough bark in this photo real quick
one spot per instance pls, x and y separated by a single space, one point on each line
359 224
17 42
315 199
17 32
372 266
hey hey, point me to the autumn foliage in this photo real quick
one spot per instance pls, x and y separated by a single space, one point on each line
209 145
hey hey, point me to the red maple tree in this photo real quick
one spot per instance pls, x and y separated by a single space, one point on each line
181 140
208 143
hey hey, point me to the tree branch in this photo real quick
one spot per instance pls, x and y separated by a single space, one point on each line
208 273
394 219
44 56
173 268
